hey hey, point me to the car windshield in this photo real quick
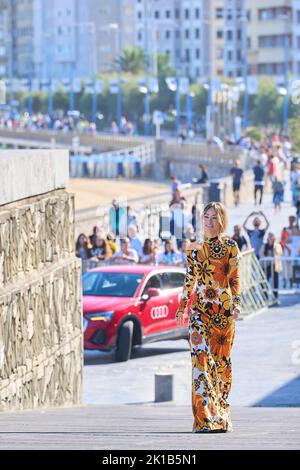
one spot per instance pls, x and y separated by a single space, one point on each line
111 284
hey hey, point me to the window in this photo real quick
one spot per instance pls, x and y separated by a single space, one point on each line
140 15
168 34
298 16
177 14
156 14
140 36
153 282
219 34
197 13
229 15
219 13
197 33
197 53
168 14
177 33
172 280
111 284
298 42
229 56
187 34
186 13
187 55
229 35
239 34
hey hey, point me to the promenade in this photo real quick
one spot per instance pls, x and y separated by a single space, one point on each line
119 411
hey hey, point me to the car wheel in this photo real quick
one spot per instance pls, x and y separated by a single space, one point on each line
124 343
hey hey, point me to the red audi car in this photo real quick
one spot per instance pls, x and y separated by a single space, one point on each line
130 305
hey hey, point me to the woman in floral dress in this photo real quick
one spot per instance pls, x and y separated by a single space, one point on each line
212 268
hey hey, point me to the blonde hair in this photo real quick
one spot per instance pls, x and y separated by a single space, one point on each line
221 213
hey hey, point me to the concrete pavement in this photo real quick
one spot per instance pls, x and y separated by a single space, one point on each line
153 426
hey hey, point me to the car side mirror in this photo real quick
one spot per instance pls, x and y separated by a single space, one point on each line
153 292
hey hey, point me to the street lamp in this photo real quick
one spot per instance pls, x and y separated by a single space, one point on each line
189 109
116 28
173 85
244 20
92 27
285 17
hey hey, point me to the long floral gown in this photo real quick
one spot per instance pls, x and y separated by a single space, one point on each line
213 270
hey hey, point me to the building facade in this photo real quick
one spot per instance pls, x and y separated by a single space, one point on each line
63 38
176 28
204 39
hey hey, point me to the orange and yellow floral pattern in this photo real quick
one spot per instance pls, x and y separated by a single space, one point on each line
213 273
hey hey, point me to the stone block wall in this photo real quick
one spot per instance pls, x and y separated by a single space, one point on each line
41 343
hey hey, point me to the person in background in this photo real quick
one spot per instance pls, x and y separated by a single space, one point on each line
126 255
240 239
100 251
111 240
272 166
271 249
287 265
237 173
256 234
259 174
169 256
92 238
175 184
177 198
117 218
278 194
150 251
82 250
182 253
131 218
203 178
135 241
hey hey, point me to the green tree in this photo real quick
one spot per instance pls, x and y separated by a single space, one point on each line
266 103
132 60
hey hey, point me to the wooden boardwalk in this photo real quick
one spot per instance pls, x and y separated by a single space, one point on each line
149 426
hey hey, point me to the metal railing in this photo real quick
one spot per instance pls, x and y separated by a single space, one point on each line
283 273
256 292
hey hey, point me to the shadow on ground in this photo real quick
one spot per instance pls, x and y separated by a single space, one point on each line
286 396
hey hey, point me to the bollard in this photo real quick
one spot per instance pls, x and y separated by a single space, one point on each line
163 386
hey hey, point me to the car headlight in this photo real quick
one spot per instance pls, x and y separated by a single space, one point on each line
106 316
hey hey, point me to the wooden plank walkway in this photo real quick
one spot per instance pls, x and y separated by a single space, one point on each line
148 426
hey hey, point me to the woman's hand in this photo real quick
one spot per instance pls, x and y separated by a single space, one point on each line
235 313
179 317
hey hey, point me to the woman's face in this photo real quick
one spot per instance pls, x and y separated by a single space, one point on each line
168 247
271 238
211 224
82 240
99 242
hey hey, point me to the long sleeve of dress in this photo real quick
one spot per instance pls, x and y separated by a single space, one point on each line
234 275
189 280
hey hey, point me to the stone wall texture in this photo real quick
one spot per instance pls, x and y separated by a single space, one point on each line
41 350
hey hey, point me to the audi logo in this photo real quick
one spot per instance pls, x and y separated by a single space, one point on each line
159 312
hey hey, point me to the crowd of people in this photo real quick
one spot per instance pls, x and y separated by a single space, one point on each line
273 161
102 248
63 122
